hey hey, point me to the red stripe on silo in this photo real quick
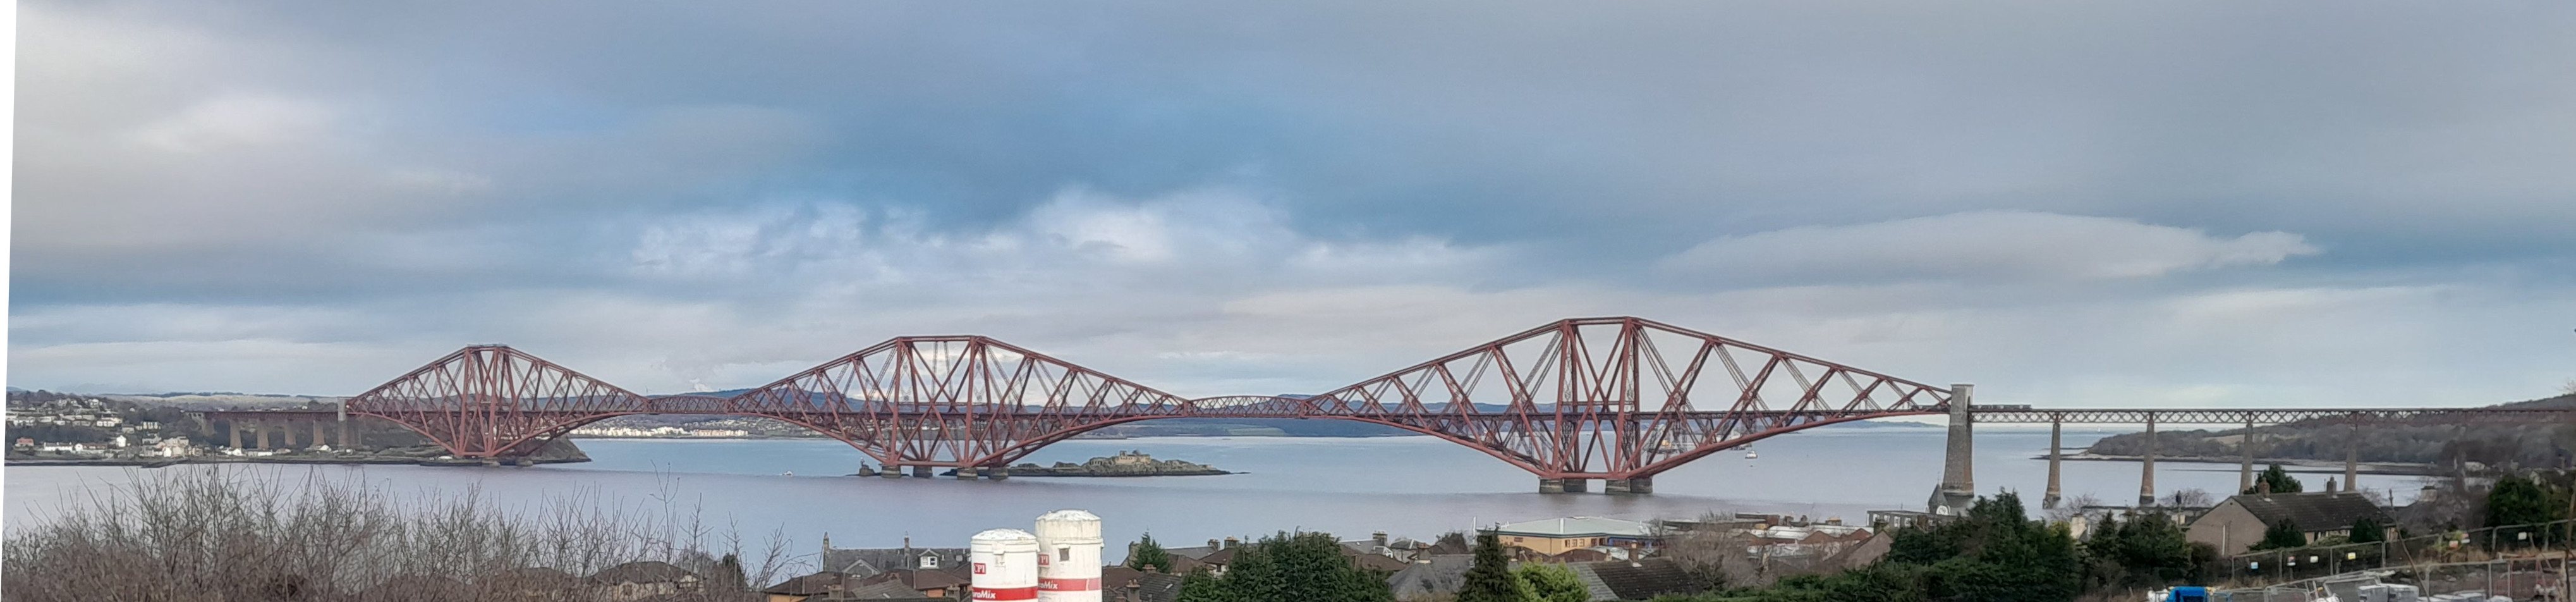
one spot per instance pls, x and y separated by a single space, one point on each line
1006 593
1064 584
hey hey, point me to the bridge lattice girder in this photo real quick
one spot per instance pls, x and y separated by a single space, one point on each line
1594 397
491 400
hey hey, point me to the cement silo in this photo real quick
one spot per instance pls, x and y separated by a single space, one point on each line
1068 556
1005 565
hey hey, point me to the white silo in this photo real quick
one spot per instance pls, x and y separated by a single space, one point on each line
1005 565
1068 556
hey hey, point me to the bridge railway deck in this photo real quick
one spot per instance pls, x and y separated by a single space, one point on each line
1615 398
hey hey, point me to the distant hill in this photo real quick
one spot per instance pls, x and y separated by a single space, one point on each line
216 401
2425 441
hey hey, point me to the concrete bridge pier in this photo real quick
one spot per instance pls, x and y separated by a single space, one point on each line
1637 485
922 471
1581 485
2056 427
967 473
997 473
2147 474
1958 487
235 427
892 471
2352 460
1548 485
318 439
262 429
2245 472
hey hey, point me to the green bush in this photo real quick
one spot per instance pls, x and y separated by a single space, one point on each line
1289 568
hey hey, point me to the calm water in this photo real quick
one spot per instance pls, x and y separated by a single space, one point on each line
1410 486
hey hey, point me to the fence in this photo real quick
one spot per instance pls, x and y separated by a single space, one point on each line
2516 578
2525 552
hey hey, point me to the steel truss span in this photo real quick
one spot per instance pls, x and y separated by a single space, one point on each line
1611 398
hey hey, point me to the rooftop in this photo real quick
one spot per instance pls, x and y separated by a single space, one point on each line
1577 526
1636 580
2319 511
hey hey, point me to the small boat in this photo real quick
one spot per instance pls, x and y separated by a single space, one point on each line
787 474
1749 454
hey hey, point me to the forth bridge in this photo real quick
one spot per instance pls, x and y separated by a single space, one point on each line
1619 399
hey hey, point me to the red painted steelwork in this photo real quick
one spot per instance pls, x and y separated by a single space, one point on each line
1595 397
490 400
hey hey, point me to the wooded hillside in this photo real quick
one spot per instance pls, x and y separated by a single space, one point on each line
2420 441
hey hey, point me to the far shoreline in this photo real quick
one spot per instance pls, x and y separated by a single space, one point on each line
2289 464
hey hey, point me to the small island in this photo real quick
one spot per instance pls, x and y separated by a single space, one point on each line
1125 464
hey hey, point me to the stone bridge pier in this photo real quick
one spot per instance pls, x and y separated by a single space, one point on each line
319 427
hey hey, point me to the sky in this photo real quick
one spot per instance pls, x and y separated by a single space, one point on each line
2186 203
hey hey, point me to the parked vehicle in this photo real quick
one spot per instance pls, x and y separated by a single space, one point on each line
2180 594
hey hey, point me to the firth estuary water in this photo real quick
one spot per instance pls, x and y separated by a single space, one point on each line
1408 486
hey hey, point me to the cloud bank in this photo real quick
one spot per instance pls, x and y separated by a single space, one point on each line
2060 203
1984 246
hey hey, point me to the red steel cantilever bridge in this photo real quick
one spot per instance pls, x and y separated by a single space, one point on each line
1619 399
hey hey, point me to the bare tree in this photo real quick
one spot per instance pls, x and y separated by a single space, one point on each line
219 535
2067 509
1709 556
2190 498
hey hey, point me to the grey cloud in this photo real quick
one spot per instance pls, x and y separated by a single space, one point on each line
1981 246
1285 196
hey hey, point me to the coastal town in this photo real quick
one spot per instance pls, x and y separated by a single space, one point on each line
88 427
1599 558
2281 528
1610 559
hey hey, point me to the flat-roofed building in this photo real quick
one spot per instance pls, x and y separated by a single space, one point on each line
1557 535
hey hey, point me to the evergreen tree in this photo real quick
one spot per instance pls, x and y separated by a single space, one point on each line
2284 534
1147 555
1994 554
2279 480
2144 553
1289 568
1490 578
2368 530
1200 586
1552 583
2519 501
